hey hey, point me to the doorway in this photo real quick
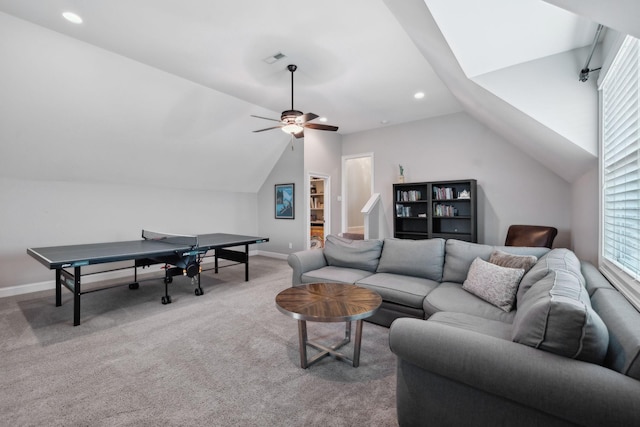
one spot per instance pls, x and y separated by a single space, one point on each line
319 209
357 188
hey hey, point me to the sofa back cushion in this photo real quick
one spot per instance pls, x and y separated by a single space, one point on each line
419 258
594 280
556 315
358 254
623 323
459 256
556 259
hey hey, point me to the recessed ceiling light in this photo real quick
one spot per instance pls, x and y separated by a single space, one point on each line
72 17
384 122
418 95
323 119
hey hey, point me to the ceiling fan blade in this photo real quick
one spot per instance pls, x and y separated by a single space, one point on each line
262 130
266 118
306 118
299 134
320 127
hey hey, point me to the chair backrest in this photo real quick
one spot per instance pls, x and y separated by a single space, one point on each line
530 235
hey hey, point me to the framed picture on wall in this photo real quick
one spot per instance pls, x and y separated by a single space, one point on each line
284 201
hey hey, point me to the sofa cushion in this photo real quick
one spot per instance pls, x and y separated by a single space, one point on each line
494 328
493 283
358 254
334 274
623 324
593 279
458 258
505 259
449 296
556 315
403 290
555 259
459 255
419 258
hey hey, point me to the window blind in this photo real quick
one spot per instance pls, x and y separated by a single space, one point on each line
620 92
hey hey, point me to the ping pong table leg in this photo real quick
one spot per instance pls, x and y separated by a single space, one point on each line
58 287
76 297
246 264
199 290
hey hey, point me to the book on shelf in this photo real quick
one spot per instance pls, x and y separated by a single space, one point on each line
444 193
315 203
403 211
444 210
409 196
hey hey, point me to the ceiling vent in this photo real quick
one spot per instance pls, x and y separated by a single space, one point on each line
274 58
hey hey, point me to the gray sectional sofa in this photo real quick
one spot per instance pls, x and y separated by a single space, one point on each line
494 335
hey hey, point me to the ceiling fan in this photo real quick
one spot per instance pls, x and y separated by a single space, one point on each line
293 121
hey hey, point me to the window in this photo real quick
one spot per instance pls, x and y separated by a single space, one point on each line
620 170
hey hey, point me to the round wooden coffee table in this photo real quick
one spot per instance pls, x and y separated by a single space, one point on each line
328 302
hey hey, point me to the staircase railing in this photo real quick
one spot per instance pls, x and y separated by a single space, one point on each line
371 212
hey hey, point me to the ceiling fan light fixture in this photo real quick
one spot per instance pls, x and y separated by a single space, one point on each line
292 128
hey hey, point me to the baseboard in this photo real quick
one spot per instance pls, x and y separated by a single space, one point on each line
110 275
272 254
27 289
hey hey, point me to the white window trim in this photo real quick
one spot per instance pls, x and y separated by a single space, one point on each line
620 279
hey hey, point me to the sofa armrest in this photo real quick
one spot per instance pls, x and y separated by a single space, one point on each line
304 261
494 370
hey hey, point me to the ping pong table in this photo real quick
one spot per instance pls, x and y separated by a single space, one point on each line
180 254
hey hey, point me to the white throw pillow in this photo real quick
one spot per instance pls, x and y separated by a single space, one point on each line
493 283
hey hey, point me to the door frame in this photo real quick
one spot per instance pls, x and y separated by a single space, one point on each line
345 194
327 205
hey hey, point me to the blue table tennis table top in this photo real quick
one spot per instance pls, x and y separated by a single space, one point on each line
56 257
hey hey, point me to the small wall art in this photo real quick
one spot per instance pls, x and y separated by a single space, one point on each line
284 201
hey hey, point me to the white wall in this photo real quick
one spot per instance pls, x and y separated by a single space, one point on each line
95 146
512 187
282 232
585 216
52 213
323 155
548 90
74 112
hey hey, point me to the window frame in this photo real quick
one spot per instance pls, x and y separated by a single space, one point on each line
622 279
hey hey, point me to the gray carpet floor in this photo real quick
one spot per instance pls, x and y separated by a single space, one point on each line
226 358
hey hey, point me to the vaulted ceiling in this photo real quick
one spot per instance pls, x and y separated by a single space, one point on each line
359 64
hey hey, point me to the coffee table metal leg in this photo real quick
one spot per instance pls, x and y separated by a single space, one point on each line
356 344
302 337
347 332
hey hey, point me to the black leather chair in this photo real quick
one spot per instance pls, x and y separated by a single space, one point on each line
530 235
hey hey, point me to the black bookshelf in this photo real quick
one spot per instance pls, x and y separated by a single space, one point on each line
446 209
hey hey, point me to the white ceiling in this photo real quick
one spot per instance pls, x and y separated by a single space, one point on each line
496 34
357 65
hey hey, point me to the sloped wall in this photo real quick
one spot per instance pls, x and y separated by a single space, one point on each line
513 188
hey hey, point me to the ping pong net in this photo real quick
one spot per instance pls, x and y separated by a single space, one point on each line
175 239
